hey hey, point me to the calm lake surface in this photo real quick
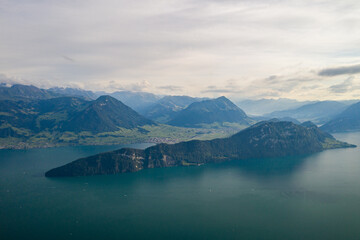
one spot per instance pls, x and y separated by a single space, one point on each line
308 197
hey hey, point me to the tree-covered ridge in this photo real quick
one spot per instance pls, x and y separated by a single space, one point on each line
265 139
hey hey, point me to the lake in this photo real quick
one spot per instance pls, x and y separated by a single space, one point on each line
304 197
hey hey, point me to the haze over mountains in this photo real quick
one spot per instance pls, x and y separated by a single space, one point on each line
139 101
266 106
348 120
318 112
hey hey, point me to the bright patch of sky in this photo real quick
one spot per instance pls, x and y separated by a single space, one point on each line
306 49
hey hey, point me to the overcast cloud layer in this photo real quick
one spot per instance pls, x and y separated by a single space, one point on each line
259 48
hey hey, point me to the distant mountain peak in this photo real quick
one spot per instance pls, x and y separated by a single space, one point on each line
109 102
106 98
223 98
106 114
210 111
308 124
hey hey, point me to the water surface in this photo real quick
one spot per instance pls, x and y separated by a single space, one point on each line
305 197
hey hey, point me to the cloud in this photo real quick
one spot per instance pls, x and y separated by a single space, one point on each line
10 80
171 88
180 45
344 87
135 87
5 79
231 86
330 72
68 58
296 85
218 90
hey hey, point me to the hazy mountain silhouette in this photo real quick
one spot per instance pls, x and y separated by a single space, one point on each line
348 120
319 112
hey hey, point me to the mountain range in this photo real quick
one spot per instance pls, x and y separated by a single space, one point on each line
167 107
67 114
74 92
139 101
266 106
263 140
34 117
23 92
348 120
318 112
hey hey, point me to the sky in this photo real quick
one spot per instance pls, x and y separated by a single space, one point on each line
305 50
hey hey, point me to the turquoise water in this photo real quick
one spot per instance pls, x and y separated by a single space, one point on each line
308 197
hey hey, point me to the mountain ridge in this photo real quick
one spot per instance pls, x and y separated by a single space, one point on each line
318 112
74 92
348 120
210 111
167 107
25 92
105 114
263 140
70 114
139 101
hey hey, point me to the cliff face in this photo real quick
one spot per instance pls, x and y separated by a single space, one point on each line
266 139
119 161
